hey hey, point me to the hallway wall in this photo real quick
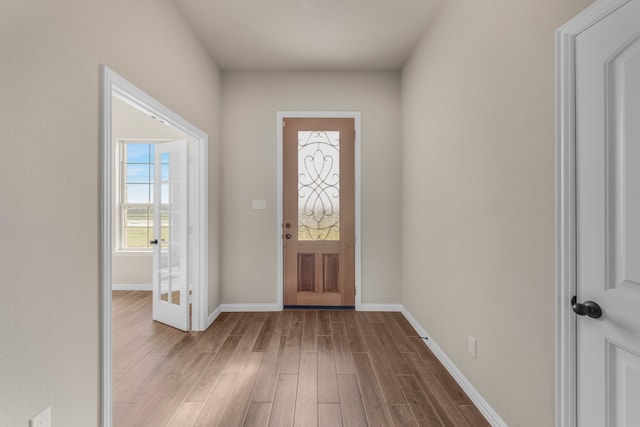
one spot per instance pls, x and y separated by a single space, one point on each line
249 237
478 239
50 106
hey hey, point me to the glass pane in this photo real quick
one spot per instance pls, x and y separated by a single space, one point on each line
165 193
137 216
136 237
165 173
165 287
318 185
175 257
138 173
139 153
138 193
165 219
175 295
138 226
164 258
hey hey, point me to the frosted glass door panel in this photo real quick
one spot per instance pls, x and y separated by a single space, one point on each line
318 185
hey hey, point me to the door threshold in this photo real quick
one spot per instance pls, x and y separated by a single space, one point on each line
322 307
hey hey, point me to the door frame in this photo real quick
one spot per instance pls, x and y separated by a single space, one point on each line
280 116
115 85
566 251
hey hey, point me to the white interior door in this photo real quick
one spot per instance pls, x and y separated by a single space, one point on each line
608 219
170 269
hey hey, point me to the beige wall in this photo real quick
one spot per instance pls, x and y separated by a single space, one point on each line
478 196
50 182
249 237
128 122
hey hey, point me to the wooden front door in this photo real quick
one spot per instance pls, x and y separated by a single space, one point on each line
319 211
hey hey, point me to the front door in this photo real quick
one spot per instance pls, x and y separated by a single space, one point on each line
319 218
170 272
608 220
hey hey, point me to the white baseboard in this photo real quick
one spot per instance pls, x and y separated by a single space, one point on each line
274 307
213 316
249 307
131 287
492 417
380 307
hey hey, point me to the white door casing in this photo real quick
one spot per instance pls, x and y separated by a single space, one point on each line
170 244
599 215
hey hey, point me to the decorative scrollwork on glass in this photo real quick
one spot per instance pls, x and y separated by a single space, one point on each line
318 185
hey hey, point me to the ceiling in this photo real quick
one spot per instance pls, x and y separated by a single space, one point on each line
309 34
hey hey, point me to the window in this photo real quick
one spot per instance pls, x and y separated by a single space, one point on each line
135 195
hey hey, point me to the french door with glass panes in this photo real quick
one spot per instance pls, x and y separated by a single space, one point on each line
319 211
170 278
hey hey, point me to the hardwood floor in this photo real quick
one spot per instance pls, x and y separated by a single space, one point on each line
289 368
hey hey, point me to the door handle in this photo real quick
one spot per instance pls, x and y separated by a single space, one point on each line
587 308
287 236
154 241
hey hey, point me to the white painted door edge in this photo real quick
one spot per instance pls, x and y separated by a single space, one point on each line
565 206
358 249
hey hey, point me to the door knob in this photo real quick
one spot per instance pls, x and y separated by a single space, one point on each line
154 241
587 308
287 236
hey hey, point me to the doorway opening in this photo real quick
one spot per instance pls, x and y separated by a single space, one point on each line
117 90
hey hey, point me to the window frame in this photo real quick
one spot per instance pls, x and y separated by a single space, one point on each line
120 191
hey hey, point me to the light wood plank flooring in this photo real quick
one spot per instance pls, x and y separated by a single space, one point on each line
289 368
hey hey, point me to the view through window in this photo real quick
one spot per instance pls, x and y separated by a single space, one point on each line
136 195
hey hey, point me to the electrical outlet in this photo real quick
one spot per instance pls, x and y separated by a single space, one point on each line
471 346
43 419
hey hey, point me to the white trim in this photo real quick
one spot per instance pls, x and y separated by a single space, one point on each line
213 316
131 287
249 307
483 406
115 85
105 272
129 253
355 115
566 379
275 307
380 307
